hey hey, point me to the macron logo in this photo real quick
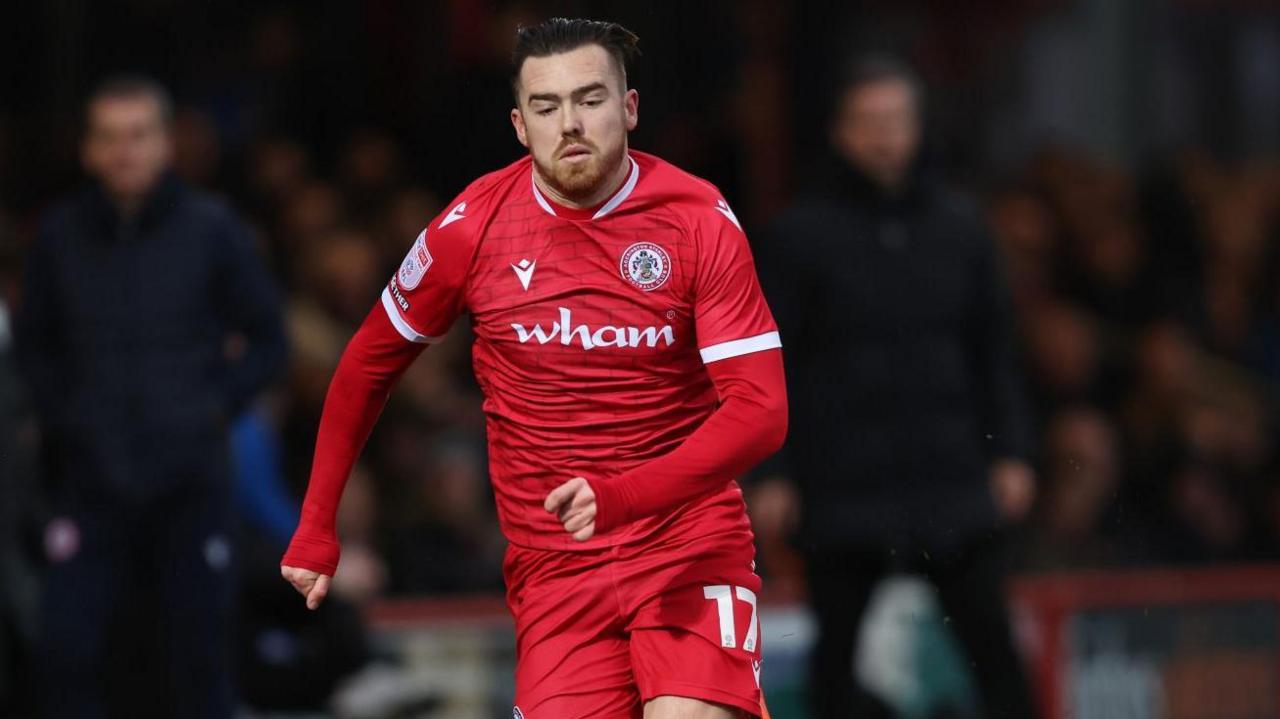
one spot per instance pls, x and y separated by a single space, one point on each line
454 215
723 208
524 272
565 333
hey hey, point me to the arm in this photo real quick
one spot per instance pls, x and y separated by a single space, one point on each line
373 361
748 426
740 347
251 306
1005 415
419 303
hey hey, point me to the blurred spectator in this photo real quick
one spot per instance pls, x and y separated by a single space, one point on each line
148 324
370 171
17 576
909 430
448 543
1082 473
404 218
197 149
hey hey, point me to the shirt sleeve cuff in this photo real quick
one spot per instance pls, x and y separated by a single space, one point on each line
316 555
612 505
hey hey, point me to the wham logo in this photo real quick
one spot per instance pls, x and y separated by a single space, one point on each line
565 333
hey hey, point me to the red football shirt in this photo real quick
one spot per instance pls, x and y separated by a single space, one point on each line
592 330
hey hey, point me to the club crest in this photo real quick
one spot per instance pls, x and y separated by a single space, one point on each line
646 266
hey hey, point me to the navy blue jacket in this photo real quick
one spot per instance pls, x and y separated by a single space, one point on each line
126 335
902 365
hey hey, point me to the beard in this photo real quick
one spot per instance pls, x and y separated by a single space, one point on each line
582 180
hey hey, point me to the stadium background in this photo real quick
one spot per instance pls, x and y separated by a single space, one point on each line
1125 152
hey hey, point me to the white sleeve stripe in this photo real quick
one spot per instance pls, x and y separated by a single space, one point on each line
401 326
745 346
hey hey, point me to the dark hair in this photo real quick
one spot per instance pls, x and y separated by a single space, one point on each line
132 87
872 69
559 35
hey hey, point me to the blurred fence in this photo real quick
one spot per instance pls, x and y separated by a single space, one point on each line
1154 644
1145 644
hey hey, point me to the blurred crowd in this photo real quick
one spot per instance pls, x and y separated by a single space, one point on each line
1147 300
1148 304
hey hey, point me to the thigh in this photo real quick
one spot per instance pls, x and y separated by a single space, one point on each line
193 567
693 616
85 594
572 653
671 707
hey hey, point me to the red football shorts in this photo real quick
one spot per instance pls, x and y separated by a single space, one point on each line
599 633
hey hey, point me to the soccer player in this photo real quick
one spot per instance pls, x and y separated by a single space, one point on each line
631 371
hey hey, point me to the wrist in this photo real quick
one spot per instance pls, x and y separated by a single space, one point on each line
313 553
612 505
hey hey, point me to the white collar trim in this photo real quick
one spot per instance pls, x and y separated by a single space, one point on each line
618 198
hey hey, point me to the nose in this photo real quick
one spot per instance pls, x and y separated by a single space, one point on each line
570 122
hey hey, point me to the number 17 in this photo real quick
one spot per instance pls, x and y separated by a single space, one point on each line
723 594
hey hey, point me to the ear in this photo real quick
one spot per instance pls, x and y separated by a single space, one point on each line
631 107
517 121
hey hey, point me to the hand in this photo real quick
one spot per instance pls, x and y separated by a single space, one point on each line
575 503
312 585
1013 487
774 505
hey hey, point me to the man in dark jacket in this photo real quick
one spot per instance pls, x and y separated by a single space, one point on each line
147 324
908 430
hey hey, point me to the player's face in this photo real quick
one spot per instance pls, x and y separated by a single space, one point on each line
574 115
127 146
878 130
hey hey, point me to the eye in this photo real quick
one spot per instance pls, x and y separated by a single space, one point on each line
592 102
544 111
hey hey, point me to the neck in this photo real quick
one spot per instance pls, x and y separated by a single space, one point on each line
610 185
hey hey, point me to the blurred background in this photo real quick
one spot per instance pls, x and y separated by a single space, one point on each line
1124 157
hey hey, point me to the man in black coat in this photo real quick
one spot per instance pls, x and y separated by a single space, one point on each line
908 434
148 323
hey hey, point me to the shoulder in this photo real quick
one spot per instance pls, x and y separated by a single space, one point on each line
204 208
698 201
486 193
464 218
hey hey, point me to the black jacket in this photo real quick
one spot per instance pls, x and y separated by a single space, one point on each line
123 335
903 379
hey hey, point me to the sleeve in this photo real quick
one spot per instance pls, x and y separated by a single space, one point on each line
251 303
373 361
419 304
748 426
730 313
1006 414
427 292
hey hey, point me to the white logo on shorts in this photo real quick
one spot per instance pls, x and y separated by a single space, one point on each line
517 714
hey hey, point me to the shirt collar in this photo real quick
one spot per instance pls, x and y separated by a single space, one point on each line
589 213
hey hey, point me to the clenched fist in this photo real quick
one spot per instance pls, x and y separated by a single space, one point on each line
312 585
575 503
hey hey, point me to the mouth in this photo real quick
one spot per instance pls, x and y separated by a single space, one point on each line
575 152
